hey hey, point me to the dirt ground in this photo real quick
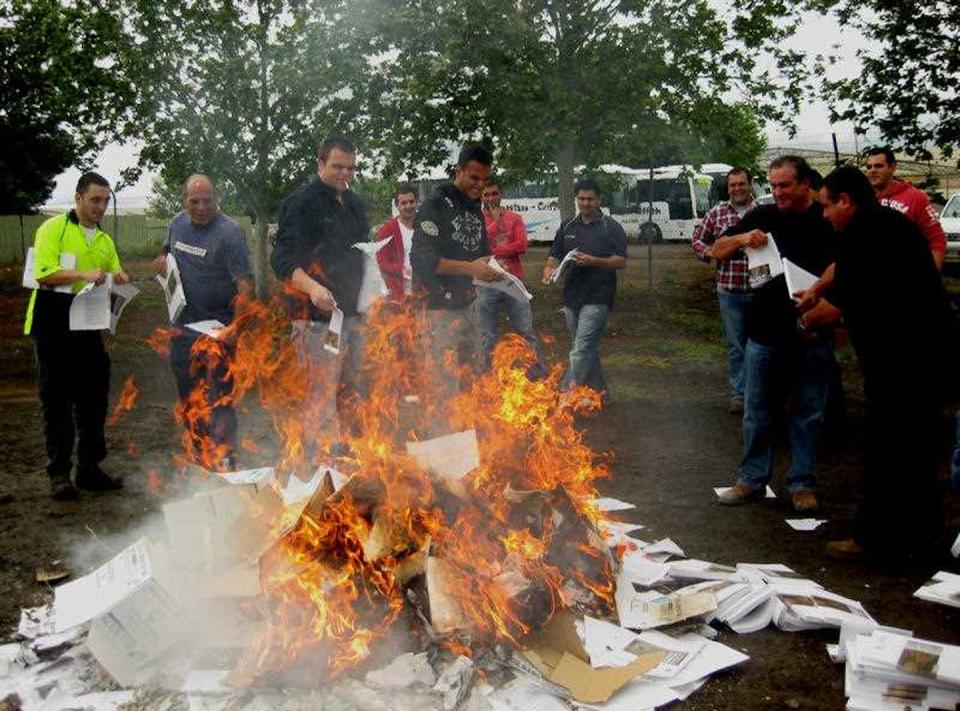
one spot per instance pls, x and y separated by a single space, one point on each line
667 429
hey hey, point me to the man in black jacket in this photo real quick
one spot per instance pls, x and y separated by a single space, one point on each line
449 251
319 224
900 343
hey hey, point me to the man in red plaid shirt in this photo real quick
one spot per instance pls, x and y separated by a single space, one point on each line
733 288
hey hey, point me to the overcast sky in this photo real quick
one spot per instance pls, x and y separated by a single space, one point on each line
818 34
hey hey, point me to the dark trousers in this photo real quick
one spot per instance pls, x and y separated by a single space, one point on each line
900 512
211 425
73 378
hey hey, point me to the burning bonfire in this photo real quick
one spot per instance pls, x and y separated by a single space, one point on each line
463 541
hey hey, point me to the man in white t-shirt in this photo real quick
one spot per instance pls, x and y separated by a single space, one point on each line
394 258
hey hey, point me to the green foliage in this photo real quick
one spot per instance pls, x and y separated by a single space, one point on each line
561 83
59 94
242 91
909 86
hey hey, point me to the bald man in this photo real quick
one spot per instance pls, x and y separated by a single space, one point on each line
211 253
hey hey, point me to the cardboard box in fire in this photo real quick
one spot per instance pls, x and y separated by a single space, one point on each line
132 603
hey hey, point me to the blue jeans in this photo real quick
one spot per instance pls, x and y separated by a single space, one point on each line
800 372
489 302
733 317
586 326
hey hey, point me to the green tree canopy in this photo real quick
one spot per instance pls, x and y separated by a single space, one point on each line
557 83
909 86
60 93
242 91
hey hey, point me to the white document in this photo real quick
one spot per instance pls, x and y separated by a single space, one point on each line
120 297
210 327
651 609
83 599
606 643
90 309
297 490
914 657
703 570
943 588
452 456
615 532
510 284
261 476
173 289
67 261
763 263
713 657
608 504
37 622
564 265
372 287
680 651
805 524
798 279
719 490
331 340
640 569
663 548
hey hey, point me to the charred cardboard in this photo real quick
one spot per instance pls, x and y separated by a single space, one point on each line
268 520
557 653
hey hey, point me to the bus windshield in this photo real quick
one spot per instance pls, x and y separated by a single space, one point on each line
675 192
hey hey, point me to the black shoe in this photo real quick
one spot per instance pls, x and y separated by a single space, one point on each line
94 479
61 489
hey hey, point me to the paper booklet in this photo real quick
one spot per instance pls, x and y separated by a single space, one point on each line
510 284
564 264
372 287
331 341
67 261
173 289
798 278
763 263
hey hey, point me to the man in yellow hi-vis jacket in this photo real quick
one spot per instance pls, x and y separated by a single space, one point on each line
73 368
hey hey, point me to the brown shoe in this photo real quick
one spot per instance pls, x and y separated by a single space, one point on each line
739 494
847 549
804 501
61 489
736 406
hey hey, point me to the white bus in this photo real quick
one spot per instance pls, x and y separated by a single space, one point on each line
678 195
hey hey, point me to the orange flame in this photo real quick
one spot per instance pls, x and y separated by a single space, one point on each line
125 403
516 533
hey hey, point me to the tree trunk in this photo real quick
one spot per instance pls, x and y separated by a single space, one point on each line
261 267
565 167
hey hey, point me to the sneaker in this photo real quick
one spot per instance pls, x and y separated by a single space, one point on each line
847 549
736 406
804 501
61 489
95 479
740 494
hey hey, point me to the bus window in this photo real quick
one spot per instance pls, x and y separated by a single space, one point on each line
674 192
702 192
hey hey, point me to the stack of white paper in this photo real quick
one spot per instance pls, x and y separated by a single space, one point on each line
510 284
894 671
943 588
98 307
763 263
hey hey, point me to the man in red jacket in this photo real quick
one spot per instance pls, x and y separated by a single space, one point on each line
905 199
394 258
507 238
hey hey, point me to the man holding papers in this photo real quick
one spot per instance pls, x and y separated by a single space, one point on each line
507 238
315 257
899 344
450 251
211 255
587 253
781 360
73 368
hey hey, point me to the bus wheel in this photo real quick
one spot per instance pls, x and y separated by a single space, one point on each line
650 233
